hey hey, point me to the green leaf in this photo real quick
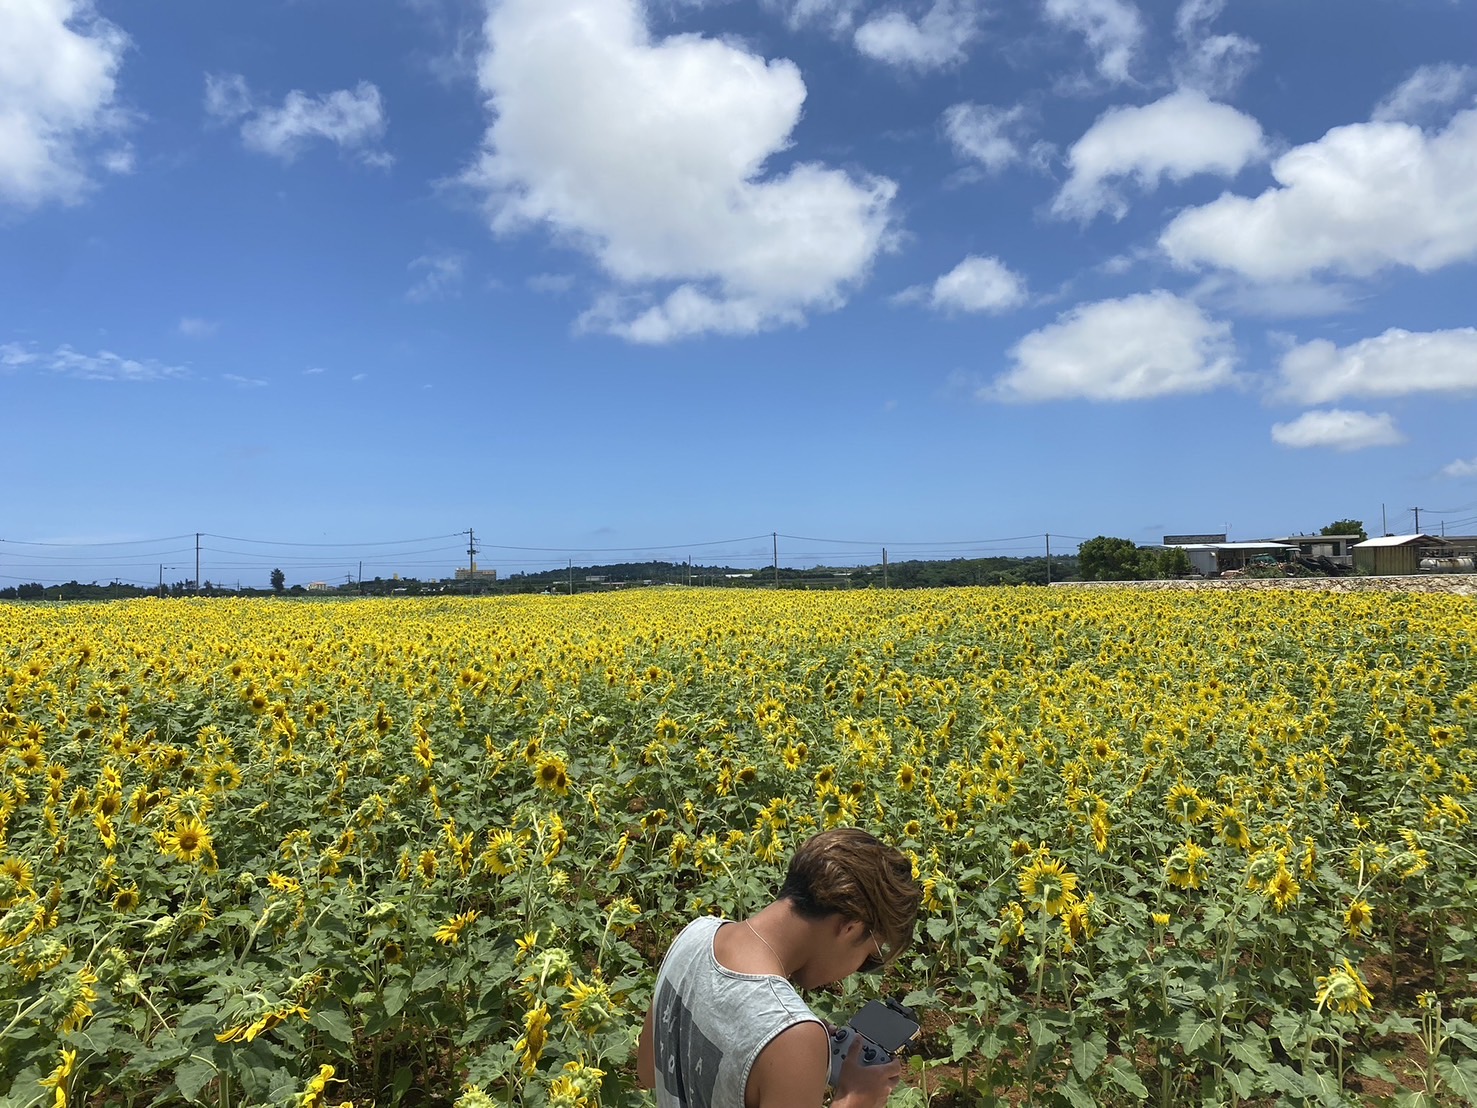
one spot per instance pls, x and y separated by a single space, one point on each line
1041 1033
1370 1066
1088 1054
1460 1077
1462 1031
1285 1079
1076 1095
335 1027
396 993
1243 1082
961 1042
1252 1055
1121 1072
193 1076
404 1078
992 1044
1194 1032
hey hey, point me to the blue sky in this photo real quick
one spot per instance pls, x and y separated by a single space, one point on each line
603 279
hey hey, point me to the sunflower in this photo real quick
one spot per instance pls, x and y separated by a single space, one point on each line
126 900
1184 804
1012 923
530 1048
1282 889
1358 917
1100 831
907 777
77 1000
451 930
1047 884
189 841
315 1092
18 871
57 1079
1343 990
1232 829
589 1005
1077 922
552 774
1185 866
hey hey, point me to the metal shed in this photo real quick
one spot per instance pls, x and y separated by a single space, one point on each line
1392 555
1210 559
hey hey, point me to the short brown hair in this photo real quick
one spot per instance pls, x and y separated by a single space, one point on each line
846 870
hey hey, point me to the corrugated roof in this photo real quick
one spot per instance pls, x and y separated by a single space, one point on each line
1397 540
1237 546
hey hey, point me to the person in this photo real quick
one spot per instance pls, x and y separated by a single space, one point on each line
727 1028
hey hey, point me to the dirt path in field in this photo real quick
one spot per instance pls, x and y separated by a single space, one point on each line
1458 584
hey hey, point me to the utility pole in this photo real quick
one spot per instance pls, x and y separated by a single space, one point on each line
1048 557
571 577
1384 527
360 579
471 555
1417 512
776 536
884 567
197 563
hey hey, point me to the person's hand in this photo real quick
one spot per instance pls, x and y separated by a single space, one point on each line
865 1086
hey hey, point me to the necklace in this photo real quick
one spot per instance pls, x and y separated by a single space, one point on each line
765 941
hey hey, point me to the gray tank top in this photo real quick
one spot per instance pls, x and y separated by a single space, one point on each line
710 1023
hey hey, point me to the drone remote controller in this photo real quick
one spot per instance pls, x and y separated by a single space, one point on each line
883 1027
870 1053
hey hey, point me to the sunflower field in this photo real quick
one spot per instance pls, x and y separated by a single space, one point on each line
1177 847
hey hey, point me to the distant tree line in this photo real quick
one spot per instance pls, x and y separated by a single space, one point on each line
1103 558
913 574
1111 559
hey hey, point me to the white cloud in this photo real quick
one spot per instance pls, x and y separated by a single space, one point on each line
192 327
1395 363
227 96
1143 346
440 276
1182 135
650 156
1338 430
244 382
1274 299
1362 198
1462 467
1426 92
13 355
313 371
992 136
1212 63
58 80
976 284
1113 29
838 16
939 38
102 366
352 119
